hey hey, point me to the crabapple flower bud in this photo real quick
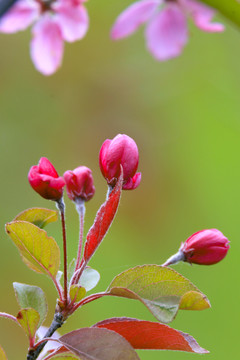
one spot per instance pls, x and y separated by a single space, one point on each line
205 247
45 181
121 150
79 183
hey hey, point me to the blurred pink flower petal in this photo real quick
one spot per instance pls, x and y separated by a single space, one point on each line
167 33
20 16
47 45
133 17
166 23
55 21
72 18
202 15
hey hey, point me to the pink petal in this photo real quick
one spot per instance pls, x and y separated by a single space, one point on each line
20 16
133 182
167 33
72 18
202 15
134 16
47 45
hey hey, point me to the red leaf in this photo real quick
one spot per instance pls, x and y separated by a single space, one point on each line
103 220
151 335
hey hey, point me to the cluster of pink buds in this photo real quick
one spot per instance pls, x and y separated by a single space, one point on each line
120 151
118 159
205 247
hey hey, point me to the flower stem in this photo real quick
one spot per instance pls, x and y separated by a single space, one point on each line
61 207
80 207
179 256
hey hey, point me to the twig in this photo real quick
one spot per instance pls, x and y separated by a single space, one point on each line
5 5
56 324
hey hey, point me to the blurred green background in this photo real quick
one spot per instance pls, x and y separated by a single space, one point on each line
184 116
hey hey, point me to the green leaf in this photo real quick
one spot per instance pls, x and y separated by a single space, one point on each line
89 278
3 355
38 216
29 321
162 290
77 293
39 252
29 296
229 8
71 269
59 276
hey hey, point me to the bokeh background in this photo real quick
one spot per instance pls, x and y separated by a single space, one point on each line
184 116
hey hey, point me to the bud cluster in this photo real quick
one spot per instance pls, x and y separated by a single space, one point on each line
120 151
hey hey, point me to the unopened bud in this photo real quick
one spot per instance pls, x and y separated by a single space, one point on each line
121 150
45 181
79 183
205 247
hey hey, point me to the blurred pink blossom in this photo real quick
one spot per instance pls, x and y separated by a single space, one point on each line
166 24
55 21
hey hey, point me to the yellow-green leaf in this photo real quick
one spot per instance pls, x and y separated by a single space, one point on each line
162 290
40 252
29 321
3 355
229 8
77 293
29 296
38 216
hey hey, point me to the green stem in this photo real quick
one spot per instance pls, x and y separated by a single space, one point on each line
80 207
61 207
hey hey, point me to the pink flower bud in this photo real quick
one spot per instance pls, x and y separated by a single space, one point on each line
45 180
79 183
122 150
205 247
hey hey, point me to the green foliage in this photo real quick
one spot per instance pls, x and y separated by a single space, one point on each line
39 252
38 216
77 293
229 8
162 290
29 321
71 269
89 278
29 296
3 355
